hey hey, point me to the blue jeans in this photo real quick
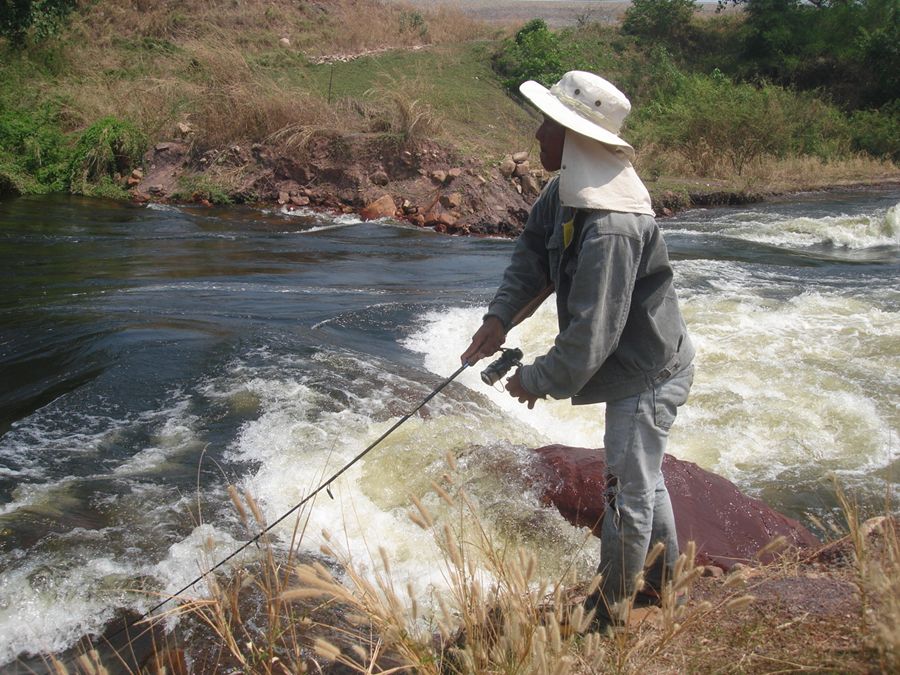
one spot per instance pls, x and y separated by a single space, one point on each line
638 510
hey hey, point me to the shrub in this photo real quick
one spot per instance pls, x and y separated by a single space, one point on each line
197 187
107 147
536 53
41 17
877 132
658 19
708 118
34 147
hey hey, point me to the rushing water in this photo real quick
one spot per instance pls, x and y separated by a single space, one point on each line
150 356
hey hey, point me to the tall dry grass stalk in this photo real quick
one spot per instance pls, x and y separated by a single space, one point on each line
498 613
876 558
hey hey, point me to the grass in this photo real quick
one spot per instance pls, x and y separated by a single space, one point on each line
253 72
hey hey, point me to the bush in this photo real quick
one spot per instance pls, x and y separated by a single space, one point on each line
877 132
34 147
107 147
536 53
658 19
40 17
709 118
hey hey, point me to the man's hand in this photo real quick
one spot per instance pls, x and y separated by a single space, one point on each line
486 341
517 390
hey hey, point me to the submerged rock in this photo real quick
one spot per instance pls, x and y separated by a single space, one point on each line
727 526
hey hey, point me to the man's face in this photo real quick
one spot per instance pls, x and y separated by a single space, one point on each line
551 135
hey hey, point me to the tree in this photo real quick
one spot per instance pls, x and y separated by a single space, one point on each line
42 17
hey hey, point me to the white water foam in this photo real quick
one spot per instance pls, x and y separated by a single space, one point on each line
807 384
301 438
852 232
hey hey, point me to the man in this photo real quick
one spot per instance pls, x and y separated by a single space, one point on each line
622 340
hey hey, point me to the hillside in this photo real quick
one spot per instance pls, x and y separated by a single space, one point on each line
305 104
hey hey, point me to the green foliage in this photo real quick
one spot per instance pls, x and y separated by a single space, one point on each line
34 147
708 118
107 188
658 19
197 187
851 48
536 53
877 132
40 18
107 147
412 21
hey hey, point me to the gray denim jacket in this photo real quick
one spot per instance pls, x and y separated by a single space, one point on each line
620 328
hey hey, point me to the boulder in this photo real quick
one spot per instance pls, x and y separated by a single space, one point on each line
530 185
727 526
383 207
451 201
439 219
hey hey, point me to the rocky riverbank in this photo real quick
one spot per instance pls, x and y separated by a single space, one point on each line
427 185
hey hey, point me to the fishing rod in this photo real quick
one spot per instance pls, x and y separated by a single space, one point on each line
490 375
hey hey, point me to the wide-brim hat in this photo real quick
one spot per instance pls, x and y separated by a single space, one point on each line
585 103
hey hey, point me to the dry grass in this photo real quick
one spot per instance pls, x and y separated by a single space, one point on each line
765 174
876 559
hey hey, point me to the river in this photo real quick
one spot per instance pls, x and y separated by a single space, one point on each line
151 355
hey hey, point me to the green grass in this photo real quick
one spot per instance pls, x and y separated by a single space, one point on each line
455 81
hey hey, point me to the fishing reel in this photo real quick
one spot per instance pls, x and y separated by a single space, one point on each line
499 368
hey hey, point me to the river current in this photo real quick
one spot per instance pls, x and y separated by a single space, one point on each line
152 355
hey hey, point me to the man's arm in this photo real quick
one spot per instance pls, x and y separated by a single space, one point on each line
526 277
598 303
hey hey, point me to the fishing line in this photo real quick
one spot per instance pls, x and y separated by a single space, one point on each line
323 486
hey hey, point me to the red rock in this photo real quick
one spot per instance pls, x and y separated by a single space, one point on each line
727 526
383 207
451 201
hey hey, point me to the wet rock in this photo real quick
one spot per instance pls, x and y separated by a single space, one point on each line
520 157
383 207
507 167
379 178
157 190
726 525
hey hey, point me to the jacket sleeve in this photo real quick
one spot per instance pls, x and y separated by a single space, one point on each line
598 304
528 271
